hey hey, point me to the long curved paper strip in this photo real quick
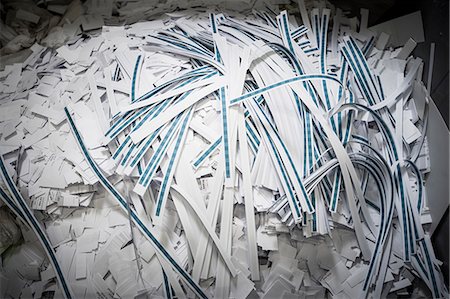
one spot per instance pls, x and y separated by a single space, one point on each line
173 163
139 223
426 249
34 224
248 197
401 201
282 83
12 206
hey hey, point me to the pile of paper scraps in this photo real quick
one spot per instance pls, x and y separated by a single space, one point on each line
216 154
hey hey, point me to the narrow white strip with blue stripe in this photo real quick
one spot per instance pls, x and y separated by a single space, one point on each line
139 223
